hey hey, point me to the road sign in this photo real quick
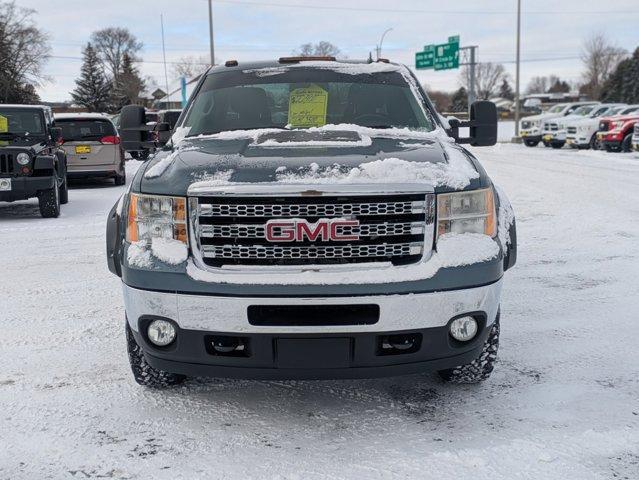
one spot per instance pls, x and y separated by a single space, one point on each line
447 56
440 57
425 59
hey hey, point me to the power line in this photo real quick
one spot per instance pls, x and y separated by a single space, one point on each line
426 11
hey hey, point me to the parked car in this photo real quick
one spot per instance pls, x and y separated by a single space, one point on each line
553 131
605 123
619 137
31 162
582 132
530 128
324 222
92 145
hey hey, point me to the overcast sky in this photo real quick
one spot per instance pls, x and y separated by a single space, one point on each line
552 31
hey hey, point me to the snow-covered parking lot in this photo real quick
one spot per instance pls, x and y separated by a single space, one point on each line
563 402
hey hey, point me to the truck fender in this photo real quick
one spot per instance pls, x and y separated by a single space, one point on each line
114 240
510 259
44 163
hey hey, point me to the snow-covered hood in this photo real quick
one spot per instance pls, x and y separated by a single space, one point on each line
332 154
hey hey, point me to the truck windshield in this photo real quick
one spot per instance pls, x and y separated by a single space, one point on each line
302 98
21 122
557 108
84 129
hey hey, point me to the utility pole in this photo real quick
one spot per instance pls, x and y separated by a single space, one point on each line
469 57
166 76
212 42
517 101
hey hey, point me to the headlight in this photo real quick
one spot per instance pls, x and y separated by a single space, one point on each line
467 212
156 216
617 124
23 158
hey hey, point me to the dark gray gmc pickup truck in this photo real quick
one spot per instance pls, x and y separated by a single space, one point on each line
311 218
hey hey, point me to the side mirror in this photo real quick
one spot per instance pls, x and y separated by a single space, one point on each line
133 128
482 125
56 135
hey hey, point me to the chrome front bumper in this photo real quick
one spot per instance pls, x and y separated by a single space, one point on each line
229 314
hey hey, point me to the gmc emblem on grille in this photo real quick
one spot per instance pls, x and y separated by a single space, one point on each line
299 230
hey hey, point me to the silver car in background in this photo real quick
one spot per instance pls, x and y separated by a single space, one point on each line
92 144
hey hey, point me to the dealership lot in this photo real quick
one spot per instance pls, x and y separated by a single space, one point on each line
562 402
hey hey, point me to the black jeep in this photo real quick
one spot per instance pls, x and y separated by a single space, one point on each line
32 164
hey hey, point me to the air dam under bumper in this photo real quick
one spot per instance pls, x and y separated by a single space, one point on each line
311 351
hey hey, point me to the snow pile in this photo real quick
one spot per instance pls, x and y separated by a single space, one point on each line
339 67
138 255
453 250
364 141
169 250
505 217
456 173
160 167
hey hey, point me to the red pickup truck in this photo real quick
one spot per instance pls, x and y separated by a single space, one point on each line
615 133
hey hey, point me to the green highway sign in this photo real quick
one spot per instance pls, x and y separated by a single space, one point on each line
425 59
439 57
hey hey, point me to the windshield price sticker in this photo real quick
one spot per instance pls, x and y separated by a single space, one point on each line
4 128
307 107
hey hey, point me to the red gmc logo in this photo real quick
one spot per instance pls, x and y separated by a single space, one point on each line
299 230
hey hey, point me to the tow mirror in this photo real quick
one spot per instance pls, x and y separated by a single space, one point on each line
133 128
56 135
482 125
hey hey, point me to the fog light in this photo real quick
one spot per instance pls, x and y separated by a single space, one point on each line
161 332
463 329
23 158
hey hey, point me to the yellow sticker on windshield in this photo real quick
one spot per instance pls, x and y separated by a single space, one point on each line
4 128
307 107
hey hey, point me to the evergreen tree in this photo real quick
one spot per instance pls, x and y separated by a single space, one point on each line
92 89
505 90
559 86
129 85
623 84
459 100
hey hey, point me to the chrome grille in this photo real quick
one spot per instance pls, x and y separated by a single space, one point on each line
393 227
572 130
312 252
310 209
366 230
636 131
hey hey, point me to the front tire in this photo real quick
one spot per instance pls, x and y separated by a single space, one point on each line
531 143
64 192
626 145
121 179
143 373
557 145
49 202
479 369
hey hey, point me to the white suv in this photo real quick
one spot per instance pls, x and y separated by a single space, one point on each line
530 128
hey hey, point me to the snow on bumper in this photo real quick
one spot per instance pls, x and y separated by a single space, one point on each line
229 314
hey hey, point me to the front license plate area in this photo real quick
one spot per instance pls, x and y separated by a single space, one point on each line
5 184
313 352
80 149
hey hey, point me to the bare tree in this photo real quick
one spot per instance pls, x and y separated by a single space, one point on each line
23 51
600 58
190 66
321 49
112 44
488 79
538 85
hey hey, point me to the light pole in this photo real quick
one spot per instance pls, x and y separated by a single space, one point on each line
212 42
517 102
381 42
